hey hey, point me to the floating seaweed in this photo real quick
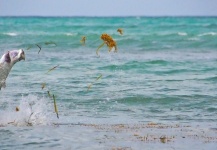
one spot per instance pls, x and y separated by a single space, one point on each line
49 95
28 122
52 69
90 85
108 41
39 48
12 122
17 108
48 43
83 40
52 96
28 48
163 139
120 31
39 45
55 106
43 85
99 48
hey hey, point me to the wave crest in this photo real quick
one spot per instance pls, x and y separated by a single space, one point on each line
10 34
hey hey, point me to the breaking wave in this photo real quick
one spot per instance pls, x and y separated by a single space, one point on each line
10 34
208 34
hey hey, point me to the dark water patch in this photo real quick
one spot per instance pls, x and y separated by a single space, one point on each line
135 65
210 26
212 109
148 100
5 133
172 80
109 67
158 62
168 90
211 78
173 71
34 143
156 110
198 99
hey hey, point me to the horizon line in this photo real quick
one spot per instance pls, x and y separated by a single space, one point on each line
121 16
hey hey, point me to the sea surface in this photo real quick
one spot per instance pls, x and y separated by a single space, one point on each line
165 71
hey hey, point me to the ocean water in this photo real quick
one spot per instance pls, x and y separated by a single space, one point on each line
164 72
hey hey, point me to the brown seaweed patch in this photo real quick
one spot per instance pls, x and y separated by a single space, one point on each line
120 31
83 40
108 40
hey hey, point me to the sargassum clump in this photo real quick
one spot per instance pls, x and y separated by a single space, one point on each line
83 39
120 31
108 40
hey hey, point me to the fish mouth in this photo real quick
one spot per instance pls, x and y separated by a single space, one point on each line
22 56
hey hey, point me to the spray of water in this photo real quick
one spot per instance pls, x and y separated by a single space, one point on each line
31 110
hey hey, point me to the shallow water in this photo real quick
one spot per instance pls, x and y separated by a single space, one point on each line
164 72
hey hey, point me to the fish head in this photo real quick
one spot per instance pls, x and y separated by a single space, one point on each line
15 56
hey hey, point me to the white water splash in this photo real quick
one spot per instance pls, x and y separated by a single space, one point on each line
71 34
31 111
11 34
182 33
208 33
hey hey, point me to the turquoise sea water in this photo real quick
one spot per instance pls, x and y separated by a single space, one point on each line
164 72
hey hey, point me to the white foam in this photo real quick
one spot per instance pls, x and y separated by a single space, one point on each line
193 39
11 34
208 33
182 33
71 34
32 111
